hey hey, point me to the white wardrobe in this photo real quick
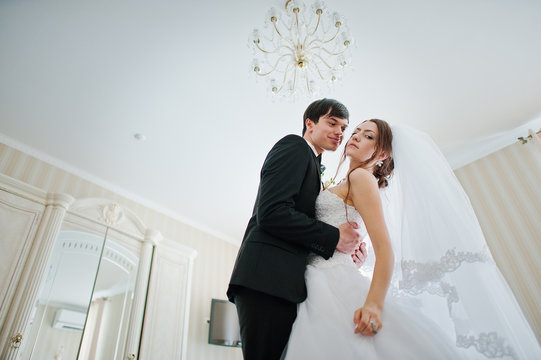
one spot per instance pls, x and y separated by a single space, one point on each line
85 279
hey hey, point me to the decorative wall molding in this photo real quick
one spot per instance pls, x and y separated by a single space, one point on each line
111 214
23 189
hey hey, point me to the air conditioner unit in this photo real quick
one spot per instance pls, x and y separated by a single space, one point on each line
68 319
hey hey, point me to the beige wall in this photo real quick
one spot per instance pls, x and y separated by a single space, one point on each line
505 191
212 266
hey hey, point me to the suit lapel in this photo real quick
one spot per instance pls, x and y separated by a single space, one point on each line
316 166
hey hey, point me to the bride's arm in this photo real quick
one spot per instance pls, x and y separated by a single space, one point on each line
365 194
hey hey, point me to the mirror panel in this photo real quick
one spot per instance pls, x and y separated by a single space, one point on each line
83 308
58 319
108 318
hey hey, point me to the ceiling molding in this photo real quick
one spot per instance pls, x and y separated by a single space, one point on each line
113 188
460 155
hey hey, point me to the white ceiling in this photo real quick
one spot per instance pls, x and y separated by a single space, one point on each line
79 79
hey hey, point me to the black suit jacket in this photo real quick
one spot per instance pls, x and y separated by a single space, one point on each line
283 229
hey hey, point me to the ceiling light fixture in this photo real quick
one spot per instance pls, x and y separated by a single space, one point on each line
301 50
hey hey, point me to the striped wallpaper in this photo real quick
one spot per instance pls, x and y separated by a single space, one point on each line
212 266
505 191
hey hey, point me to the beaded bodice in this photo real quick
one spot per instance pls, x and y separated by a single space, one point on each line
330 208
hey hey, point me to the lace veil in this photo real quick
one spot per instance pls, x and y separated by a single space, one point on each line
441 258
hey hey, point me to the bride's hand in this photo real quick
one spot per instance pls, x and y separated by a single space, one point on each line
367 320
360 255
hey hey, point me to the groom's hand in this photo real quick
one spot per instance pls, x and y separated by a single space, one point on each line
349 238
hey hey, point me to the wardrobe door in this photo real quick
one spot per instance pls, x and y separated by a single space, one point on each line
165 328
19 220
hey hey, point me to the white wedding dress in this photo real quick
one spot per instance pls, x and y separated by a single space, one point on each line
447 298
336 288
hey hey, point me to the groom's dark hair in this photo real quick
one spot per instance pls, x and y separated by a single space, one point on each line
322 107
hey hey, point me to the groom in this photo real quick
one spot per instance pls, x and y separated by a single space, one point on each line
268 278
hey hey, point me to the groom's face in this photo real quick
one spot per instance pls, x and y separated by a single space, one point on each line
327 133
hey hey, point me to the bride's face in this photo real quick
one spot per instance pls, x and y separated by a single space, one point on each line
362 144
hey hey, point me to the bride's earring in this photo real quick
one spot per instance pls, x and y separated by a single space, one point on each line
379 163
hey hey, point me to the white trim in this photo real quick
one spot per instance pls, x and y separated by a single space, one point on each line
460 155
22 189
191 253
125 215
114 188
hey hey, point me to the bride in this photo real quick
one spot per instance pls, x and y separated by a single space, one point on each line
431 289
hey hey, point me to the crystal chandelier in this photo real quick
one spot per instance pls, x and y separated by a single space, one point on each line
301 50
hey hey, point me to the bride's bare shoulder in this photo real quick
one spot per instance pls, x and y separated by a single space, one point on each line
360 176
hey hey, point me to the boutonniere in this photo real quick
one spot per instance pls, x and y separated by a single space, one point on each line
328 182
